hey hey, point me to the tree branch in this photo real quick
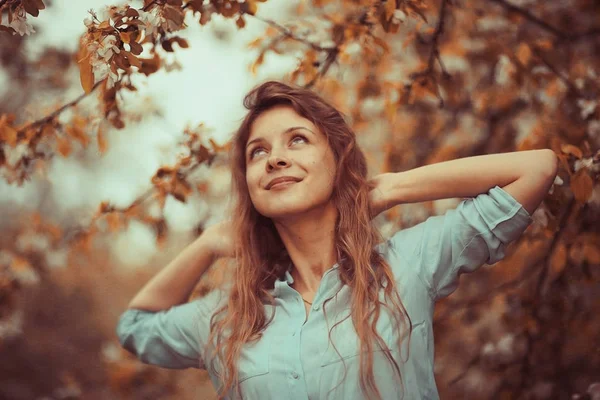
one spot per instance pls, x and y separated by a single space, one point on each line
332 52
51 116
331 57
434 54
147 7
556 72
570 209
544 25
288 33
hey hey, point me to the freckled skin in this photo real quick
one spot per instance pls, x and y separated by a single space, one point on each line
300 153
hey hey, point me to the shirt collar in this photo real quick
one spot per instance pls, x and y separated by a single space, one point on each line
288 280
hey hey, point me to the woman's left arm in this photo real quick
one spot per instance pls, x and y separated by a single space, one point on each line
525 175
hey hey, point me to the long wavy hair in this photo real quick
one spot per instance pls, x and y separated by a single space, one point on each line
261 257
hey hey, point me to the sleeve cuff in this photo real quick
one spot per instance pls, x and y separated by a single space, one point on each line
503 214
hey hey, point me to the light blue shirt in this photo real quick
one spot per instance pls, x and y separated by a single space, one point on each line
293 359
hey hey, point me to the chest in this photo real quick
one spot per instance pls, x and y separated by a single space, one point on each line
304 342
307 350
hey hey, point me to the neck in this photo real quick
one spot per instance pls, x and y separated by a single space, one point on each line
310 241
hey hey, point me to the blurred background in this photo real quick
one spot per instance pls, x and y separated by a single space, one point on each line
114 125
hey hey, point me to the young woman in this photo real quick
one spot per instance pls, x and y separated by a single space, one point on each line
319 306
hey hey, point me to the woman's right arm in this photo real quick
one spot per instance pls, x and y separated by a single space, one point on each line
159 327
174 283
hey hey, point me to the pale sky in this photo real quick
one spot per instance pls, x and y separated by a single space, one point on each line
208 89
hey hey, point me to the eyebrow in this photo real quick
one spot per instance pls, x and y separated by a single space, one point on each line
288 130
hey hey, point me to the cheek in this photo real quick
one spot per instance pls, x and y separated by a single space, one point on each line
251 181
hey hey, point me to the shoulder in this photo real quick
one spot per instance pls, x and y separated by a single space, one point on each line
211 301
401 251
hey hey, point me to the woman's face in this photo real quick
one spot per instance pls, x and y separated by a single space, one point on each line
282 144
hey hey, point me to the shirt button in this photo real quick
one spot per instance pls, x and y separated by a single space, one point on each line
295 375
316 307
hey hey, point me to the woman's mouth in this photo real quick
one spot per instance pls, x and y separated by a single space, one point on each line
282 185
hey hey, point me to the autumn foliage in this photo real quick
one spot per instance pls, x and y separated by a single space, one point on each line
421 82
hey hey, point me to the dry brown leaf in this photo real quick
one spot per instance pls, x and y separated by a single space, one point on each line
8 134
390 7
591 253
63 145
259 60
30 7
558 260
572 150
240 22
114 221
582 185
523 54
102 144
86 74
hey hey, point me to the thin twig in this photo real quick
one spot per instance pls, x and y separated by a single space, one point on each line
544 25
51 116
332 52
474 361
556 72
331 57
555 241
434 51
434 54
147 7
72 234
288 33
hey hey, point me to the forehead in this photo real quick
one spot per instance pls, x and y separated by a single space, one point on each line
275 120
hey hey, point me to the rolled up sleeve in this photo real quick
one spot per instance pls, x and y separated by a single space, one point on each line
477 231
171 338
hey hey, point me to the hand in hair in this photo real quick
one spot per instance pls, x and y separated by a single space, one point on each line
219 238
379 194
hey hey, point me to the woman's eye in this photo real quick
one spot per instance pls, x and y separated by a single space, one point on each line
298 137
253 152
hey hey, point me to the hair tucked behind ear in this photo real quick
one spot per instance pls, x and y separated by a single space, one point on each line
261 256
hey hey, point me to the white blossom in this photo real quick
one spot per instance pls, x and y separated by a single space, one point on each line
594 391
504 70
111 352
557 181
11 326
328 44
587 107
13 155
152 20
585 162
108 47
399 16
88 22
593 129
540 217
20 24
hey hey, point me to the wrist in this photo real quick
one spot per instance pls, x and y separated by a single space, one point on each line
206 246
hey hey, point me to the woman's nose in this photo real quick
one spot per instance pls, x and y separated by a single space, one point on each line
277 161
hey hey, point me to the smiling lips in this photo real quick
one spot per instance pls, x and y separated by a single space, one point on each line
282 179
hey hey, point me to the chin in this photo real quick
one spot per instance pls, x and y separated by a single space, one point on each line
283 211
